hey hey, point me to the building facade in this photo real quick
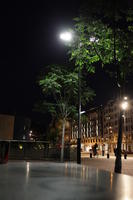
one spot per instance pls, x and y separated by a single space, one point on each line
91 129
101 128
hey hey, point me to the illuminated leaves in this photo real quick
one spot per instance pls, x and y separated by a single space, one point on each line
59 85
102 38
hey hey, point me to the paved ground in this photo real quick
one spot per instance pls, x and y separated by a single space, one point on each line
108 164
67 181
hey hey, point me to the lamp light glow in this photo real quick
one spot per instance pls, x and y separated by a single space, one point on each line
124 105
82 112
66 36
125 98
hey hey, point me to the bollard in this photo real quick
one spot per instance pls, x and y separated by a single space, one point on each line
90 155
108 155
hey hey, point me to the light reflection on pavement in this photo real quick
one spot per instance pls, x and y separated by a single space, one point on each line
61 181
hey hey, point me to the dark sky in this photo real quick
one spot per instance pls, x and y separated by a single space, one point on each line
29 40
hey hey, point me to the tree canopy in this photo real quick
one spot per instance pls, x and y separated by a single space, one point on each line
59 85
103 34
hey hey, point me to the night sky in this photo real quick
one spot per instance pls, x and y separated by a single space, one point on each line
29 40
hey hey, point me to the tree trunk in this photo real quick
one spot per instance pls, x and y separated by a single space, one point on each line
118 164
62 144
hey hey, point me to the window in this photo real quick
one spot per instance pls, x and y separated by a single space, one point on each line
126 128
115 122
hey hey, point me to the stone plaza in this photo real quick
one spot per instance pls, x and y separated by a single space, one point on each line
61 181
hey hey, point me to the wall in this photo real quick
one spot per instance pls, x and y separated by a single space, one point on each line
6 127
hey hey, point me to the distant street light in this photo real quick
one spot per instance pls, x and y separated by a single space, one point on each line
118 164
125 98
124 105
30 134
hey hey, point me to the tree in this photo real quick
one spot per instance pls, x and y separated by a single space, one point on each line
59 85
104 32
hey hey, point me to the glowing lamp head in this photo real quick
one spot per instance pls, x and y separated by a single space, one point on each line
82 112
125 98
124 105
66 36
20 147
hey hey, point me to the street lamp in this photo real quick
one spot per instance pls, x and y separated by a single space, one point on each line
82 112
118 164
67 37
124 105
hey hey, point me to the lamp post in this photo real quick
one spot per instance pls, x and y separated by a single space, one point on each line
124 131
118 165
67 37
